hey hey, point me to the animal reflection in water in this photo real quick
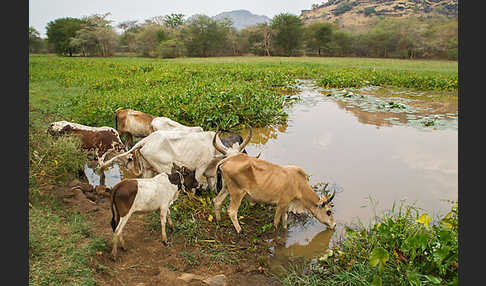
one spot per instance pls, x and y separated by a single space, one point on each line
317 246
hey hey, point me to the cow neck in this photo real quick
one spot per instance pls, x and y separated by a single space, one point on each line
310 198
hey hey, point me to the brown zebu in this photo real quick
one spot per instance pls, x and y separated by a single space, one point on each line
285 186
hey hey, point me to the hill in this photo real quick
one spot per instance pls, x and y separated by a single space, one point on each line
358 14
242 18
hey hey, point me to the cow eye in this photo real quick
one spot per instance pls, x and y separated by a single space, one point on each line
328 213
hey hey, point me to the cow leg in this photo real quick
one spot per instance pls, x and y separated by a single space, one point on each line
211 183
218 200
278 213
235 201
118 235
285 216
169 220
163 217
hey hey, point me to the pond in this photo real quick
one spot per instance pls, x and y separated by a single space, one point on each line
375 147
373 155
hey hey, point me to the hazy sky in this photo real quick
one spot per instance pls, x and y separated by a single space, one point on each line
43 11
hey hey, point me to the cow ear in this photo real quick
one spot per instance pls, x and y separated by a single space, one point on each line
66 129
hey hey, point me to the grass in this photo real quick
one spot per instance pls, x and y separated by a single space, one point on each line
61 247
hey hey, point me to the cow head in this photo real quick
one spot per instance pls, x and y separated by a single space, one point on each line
234 149
323 210
59 128
187 176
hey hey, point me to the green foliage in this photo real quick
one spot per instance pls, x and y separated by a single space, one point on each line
288 33
360 77
96 37
36 43
52 159
369 10
205 37
318 36
398 249
60 31
171 49
342 8
173 20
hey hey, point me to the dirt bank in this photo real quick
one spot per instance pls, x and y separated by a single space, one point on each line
148 262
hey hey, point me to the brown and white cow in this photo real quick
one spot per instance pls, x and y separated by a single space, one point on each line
144 195
101 140
284 186
135 123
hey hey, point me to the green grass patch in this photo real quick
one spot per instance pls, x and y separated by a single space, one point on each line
62 248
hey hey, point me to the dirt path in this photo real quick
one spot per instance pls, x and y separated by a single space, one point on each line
149 262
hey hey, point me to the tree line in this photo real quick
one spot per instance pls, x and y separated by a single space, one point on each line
173 36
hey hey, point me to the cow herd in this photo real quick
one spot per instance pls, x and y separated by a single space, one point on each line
171 157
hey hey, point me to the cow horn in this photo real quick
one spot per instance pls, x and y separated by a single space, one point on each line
217 145
325 186
330 199
247 140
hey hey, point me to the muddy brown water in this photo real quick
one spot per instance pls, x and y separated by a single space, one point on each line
373 159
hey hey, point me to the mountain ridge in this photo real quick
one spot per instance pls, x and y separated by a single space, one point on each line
358 14
242 18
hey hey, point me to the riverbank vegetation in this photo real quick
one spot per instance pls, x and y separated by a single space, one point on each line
402 247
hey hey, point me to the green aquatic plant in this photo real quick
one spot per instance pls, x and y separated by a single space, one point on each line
403 247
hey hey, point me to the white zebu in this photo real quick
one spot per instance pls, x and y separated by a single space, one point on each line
155 153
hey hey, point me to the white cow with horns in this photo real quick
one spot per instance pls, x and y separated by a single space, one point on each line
199 151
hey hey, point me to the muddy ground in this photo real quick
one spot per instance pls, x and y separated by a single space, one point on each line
147 261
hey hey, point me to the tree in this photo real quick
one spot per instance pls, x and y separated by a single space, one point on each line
173 20
127 39
96 36
149 38
205 37
319 36
259 39
36 43
288 33
59 33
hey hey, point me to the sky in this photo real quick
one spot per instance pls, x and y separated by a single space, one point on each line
42 12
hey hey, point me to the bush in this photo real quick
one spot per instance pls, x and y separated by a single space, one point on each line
171 49
52 159
369 10
342 8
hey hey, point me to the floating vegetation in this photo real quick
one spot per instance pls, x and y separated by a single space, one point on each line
424 118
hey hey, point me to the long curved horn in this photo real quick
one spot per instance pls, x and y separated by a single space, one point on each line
247 140
218 145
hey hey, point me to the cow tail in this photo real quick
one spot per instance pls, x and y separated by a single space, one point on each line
115 218
219 178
